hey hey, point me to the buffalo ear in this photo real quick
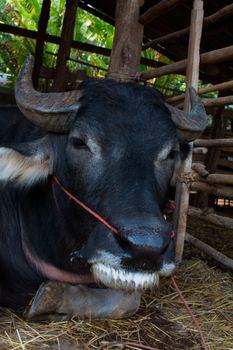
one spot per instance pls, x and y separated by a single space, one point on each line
26 163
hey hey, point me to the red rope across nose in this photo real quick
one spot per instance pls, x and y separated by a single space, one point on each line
90 211
84 206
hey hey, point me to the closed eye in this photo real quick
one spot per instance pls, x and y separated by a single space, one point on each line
78 143
173 154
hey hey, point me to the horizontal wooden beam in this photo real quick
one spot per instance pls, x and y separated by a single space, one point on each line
219 101
220 179
220 55
210 217
75 44
213 102
218 87
213 143
223 259
157 10
215 17
200 174
200 150
219 190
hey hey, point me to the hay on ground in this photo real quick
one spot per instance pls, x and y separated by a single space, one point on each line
162 321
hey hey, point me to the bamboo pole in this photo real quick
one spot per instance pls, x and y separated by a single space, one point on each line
213 102
211 217
215 17
223 259
223 179
216 56
182 191
200 174
157 10
219 101
219 190
200 150
218 87
213 143
200 168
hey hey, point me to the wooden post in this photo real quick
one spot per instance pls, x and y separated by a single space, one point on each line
126 52
65 45
42 26
182 191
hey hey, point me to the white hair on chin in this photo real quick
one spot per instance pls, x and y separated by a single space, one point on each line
119 278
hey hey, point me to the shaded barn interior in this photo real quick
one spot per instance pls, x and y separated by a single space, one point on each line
205 185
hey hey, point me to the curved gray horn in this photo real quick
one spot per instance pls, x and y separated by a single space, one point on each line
189 125
52 111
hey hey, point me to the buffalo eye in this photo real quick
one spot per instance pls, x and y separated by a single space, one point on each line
173 154
79 143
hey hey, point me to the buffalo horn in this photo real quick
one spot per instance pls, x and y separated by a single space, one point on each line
54 111
189 125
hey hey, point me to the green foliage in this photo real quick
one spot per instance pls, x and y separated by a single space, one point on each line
25 14
88 29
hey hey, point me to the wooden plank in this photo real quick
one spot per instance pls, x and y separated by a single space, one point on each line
157 10
211 217
223 259
219 190
215 17
219 101
213 143
65 45
182 191
226 163
200 150
227 150
126 51
220 179
218 87
217 56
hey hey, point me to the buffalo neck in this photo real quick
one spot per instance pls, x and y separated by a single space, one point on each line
49 224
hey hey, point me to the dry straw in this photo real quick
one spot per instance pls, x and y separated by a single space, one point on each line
161 323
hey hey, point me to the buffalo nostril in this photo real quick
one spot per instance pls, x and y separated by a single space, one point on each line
143 241
124 244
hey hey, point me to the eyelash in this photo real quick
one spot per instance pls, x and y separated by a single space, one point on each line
78 143
172 154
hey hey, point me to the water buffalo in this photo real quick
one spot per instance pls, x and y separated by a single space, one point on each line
116 147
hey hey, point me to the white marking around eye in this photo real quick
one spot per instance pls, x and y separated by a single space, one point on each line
164 152
94 147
